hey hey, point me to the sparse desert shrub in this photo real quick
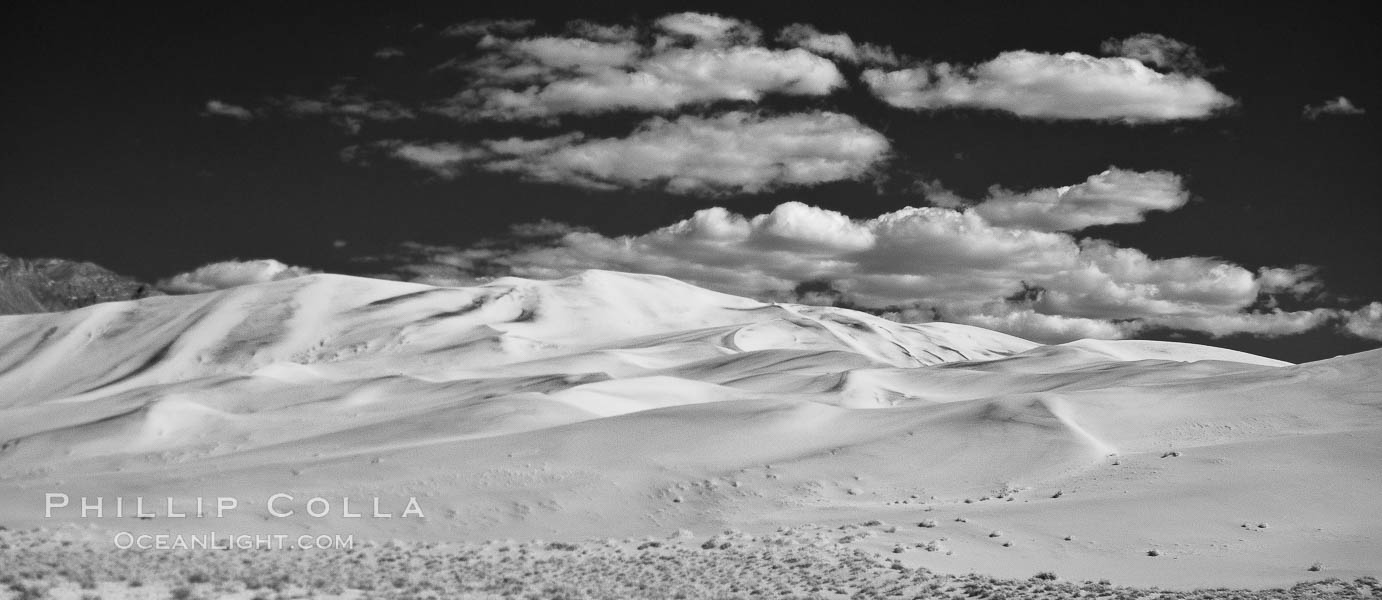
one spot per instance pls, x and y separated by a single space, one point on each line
750 568
28 592
927 523
1316 567
1153 552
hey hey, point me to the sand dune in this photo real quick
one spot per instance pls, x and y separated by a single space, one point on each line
626 405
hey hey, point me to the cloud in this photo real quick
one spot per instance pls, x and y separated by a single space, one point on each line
919 264
685 59
1159 51
443 159
1273 323
1049 86
732 152
1032 325
345 108
229 274
389 52
1365 322
837 45
482 27
542 78
216 108
561 53
484 259
710 29
1339 106
1113 196
1299 281
601 32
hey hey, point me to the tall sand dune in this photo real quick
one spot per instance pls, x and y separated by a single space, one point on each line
612 405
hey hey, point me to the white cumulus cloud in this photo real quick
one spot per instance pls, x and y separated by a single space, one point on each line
921 263
837 45
710 29
1298 281
229 274
548 77
1050 86
1032 325
1269 324
1365 322
732 152
1113 196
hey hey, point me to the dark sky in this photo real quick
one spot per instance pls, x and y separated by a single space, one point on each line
109 157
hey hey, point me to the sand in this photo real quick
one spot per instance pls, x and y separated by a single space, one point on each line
617 405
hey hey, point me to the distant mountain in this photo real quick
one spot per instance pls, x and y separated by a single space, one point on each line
54 284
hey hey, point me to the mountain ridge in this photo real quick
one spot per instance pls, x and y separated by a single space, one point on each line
55 285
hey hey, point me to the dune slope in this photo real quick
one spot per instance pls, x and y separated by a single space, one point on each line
610 404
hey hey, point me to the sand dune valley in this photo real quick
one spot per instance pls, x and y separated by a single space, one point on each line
618 435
